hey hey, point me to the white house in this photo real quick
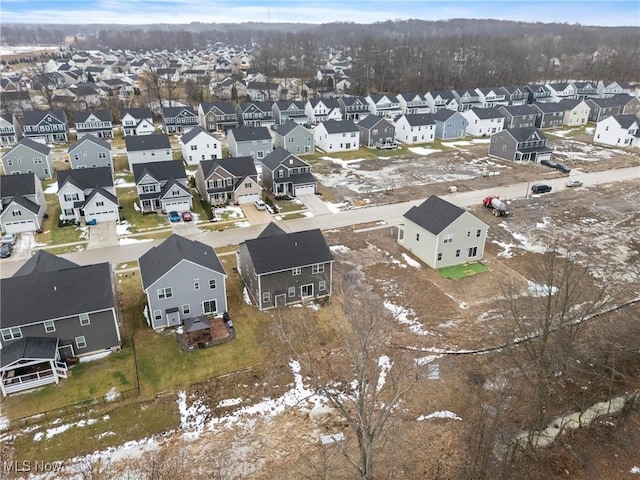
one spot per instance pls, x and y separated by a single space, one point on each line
148 148
483 121
22 205
576 112
137 121
87 193
415 128
320 110
618 131
198 145
337 136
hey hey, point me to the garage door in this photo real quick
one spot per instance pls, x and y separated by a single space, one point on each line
304 189
248 198
181 206
22 226
106 216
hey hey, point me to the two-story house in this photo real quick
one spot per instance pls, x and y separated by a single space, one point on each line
449 124
322 109
22 205
561 90
353 108
608 88
29 156
283 111
586 90
137 121
162 187
97 123
88 193
182 279
491 97
618 131
520 116
148 148
198 145
483 121
280 269
179 120
263 91
294 138
90 152
217 116
527 144
16 103
602 108
413 103
576 112
228 180
516 95
415 128
48 125
549 115
253 142
377 132
439 99
384 105
53 310
539 94
466 98
284 174
254 114
442 234
337 136
10 130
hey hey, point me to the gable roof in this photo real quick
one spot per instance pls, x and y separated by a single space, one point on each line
278 156
549 107
33 117
43 261
418 119
155 141
241 167
168 112
487 113
517 110
625 121
160 259
444 114
86 178
18 184
225 108
522 134
371 121
103 115
163 170
193 133
288 127
286 104
137 113
26 203
91 139
29 347
33 145
348 101
101 191
271 230
434 214
283 252
245 134
339 126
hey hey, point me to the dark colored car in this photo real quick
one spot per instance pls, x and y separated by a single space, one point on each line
540 188
548 163
186 216
563 168
5 250
174 216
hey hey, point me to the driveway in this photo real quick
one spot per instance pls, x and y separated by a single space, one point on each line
255 216
315 204
104 234
184 228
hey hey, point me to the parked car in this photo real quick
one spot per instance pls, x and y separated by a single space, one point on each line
260 205
5 250
186 216
540 188
9 238
174 216
548 163
563 168
574 183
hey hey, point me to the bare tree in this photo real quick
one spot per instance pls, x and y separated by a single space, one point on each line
158 83
44 81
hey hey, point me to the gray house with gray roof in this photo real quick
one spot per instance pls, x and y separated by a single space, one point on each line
90 152
23 204
294 138
449 124
284 174
29 156
162 187
520 144
182 279
228 180
253 142
280 269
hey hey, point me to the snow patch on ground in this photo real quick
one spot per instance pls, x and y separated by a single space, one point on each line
336 207
52 189
95 356
423 151
242 224
536 290
439 414
230 402
411 261
401 314
112 395
339 248
245 296
426 360
385 365
52 432
129 241
635 470
122 183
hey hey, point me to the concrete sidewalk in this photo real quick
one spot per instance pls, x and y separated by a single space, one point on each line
315 204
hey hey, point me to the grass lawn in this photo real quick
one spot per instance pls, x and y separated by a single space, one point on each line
54 235
460 271
120 163
139 222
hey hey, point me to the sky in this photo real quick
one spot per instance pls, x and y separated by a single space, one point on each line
586 12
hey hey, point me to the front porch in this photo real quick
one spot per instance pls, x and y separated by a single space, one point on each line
205 331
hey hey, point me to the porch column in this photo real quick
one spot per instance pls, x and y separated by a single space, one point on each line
4 393
53 369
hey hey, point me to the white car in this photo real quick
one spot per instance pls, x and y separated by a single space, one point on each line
9 238
260 205
574 183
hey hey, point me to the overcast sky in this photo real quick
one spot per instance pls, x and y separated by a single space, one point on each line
586 12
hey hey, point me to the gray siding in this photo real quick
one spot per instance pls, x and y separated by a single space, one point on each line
454 127
503 146
86 156
22 160
250 149
298 141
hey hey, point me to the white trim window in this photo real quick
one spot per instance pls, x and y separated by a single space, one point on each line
49 326
210 306
296 271
11 333
322 286
291 292
186 309
81 342
165 292
318 268
212 284
266 297
84 319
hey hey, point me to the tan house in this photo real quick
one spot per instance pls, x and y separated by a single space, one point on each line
576 113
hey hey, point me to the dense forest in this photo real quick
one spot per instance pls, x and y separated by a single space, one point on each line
411 55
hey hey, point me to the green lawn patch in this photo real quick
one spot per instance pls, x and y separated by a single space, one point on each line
139 222
460 271
54 235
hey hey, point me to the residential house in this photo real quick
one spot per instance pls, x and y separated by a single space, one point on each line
527 144
322 109
179 120
561 90
586 90
29 156
515 95
90 152
284 174
284 111
618 131
263 91
337 136
253 142
449 124
89 194
254 114
550 114
280 269
228 180
608 88
439 99
412 103
137 121
97 122
376 132
384 105
467 99
483 121
217 116
198 145
15 102
53 310
86 95
22 206
415 128
602 108
539 94
294 138
48 125
10 130
162 187
148 148
353 108
182 279
520 116
442 234
576 112
630 104
492 97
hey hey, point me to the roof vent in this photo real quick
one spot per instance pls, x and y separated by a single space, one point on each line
291 161
55 289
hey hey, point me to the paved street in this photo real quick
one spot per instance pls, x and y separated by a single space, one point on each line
390 214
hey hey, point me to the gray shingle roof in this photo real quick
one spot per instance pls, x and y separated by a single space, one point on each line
272 230
434 214
245 134
340 126
169 112
287 127
193 133
155 141
43 261
19 184
137 113
625 121
444 115
30 347
35 116
225 108
419 119
92 139
175 249
371 121
160 170
33 145
283 252
240 167
103 115
485 113
517 110
278 156
522 134
26 203
86 178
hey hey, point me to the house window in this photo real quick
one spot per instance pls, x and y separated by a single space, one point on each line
322 286
157 315
292 292
296 271
194 147
186 309
457 253
84 319
102 155
319 268
81 342
417 237
210 306
494 140
71 197
212 284
478 233
16 213
165 292
11 333
49 326
473 251
229 182
99 204
266 297
448 238
196 284
439 256
247 185
306 290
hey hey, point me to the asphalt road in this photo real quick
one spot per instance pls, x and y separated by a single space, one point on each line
390 214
